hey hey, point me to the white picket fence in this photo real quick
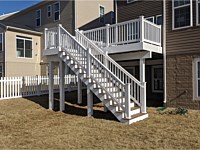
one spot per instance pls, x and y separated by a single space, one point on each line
14 87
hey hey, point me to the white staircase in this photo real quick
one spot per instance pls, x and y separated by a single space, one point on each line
120 92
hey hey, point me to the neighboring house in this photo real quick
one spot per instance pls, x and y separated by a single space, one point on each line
20 50
71 14
4 16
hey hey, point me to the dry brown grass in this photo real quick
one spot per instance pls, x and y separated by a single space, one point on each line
26 123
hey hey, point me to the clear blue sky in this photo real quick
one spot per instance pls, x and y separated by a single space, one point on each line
8 6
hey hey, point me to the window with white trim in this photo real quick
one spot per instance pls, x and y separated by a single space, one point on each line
1 70
57 11
1 41
197 78
101 14
24 47
198 12
159 20
157 79
181 13
49 11
38 18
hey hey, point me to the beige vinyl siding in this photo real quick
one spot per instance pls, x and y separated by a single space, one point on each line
138 8
16 66
87 13
181 41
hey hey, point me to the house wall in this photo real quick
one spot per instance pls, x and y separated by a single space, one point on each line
182 46
2 53
15 66
27 16
133 10
87 13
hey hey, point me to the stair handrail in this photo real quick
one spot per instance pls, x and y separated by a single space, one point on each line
107 57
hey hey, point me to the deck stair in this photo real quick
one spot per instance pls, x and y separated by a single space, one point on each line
120 92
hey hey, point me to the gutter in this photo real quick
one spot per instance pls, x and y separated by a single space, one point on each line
164 52
23 30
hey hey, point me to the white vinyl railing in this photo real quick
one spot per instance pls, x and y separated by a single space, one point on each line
138 30
14 87
126 80
89 57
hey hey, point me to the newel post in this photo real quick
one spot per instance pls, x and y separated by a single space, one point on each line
59 36
143 97
107 35
141 28
128 100
88 62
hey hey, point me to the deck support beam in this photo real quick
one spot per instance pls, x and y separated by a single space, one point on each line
80 92
89 102
143 89
62 87
51 83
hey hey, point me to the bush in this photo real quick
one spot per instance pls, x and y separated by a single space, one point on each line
181 111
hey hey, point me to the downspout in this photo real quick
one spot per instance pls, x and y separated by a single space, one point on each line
115 10
164 52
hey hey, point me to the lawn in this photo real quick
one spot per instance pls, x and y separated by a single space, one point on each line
27 123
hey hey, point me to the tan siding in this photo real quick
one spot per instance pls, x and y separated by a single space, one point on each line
181 40
87 13
21 66
136 9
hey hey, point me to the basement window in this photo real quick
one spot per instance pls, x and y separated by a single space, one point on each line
197 78
181 13
57 11
151 19
1 41
38 18
157 79
198 12
159 20
24 47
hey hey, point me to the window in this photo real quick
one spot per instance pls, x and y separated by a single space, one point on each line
49 9
130 1
159 20
198 12
197 78
101 14
150 19
181 13
57 11
1 70
157 79
38 17
1 41
24 47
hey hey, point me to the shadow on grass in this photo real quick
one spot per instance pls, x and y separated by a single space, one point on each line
71 106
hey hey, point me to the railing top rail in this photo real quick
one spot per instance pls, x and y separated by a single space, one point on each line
73 38
153 24
95 29
110 59
125 22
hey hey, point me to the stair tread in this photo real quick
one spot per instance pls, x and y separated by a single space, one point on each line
135 116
